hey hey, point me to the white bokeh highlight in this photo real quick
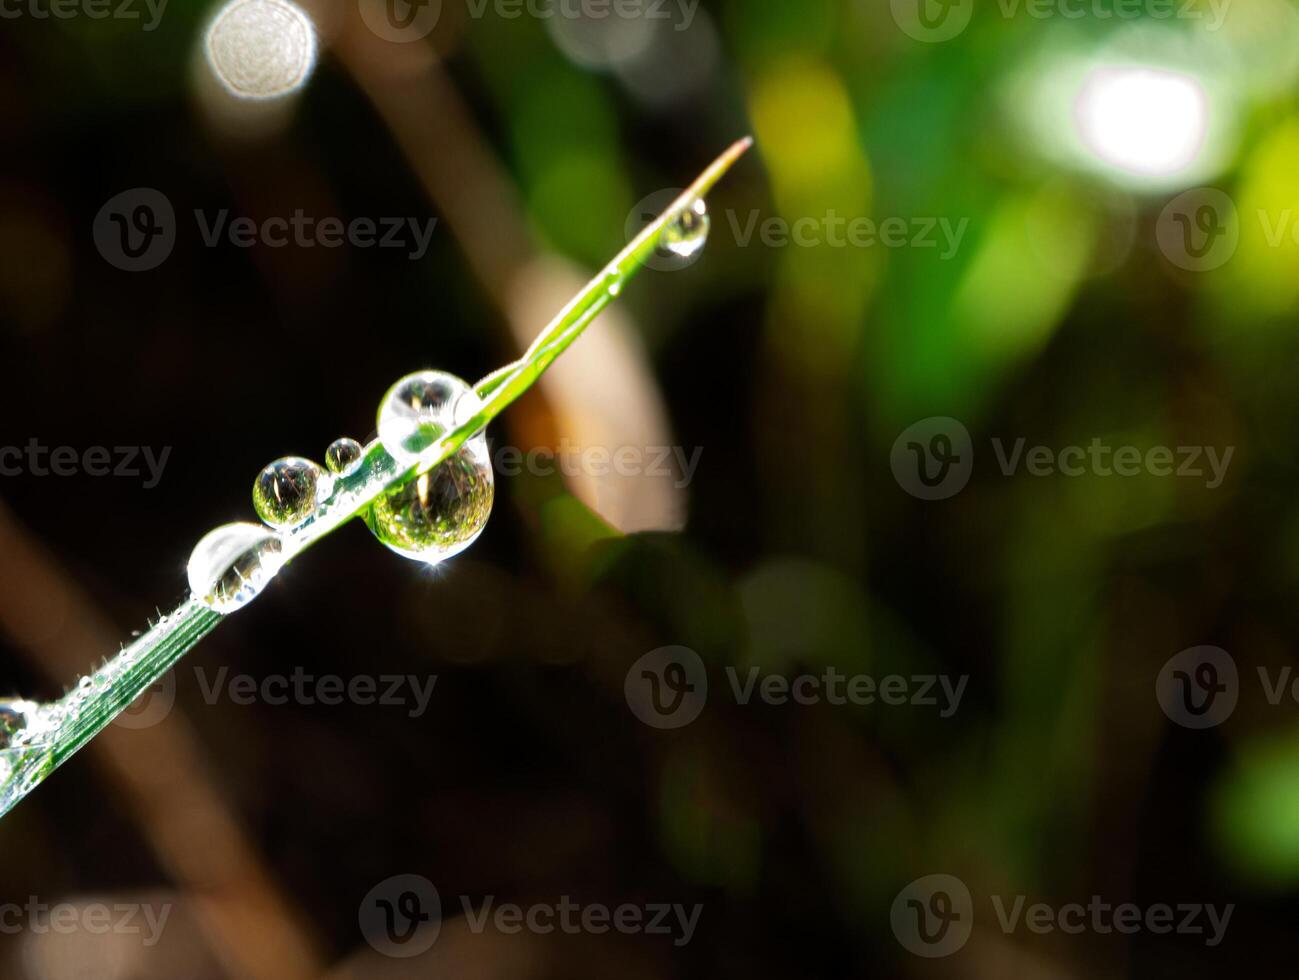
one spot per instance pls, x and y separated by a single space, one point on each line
1143 120
261 49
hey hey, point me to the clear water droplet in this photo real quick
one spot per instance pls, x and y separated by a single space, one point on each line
343 456
287 491
441 513
232 565
26 754
688 234
419 409
13 720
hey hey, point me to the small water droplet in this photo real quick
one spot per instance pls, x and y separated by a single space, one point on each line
287 491
615 288
231 565
419 409
343 456
441 513
688 234
13 720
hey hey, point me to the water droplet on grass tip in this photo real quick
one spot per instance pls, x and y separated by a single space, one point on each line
343 456
287 491
441 513
231 566
688 234
419 409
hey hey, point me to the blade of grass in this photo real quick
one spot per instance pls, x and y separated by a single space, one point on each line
58 730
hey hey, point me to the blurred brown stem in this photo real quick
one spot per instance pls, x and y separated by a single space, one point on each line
162 773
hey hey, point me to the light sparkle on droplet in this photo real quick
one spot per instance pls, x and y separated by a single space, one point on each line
688 233
419 409
231 566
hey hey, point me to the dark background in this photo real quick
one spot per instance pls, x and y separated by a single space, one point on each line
1059 320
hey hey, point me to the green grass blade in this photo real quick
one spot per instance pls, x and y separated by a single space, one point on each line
56 731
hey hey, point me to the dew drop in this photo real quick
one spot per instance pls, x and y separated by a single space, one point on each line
231 565
343 456
688 234
441 513
13 720
287 491
419 409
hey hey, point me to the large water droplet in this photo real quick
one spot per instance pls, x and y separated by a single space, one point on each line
419 409
441 513
688 234
287 491
231 565
343 456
